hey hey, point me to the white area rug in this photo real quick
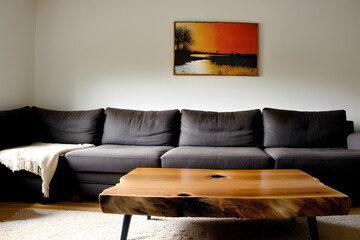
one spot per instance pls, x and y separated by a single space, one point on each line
55 224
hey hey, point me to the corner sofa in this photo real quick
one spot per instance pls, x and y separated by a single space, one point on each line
322 144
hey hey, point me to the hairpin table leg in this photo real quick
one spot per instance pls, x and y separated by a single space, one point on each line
313 228
125 227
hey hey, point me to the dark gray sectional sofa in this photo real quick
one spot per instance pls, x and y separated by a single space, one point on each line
320 143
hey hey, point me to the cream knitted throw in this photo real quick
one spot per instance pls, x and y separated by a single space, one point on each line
38 158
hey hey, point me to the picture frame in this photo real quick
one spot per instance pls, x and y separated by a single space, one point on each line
216 48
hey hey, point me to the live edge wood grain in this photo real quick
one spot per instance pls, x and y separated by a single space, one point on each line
222 193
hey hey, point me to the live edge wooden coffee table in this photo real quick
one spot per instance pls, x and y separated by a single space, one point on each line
256 194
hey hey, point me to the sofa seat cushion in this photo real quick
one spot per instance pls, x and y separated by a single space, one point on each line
216 158
221 129
315 158
115 158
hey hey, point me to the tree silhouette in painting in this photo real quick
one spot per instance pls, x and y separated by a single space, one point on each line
183 40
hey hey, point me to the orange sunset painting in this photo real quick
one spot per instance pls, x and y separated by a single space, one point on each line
215 48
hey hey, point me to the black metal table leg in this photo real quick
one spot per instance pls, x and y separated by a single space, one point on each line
125 227
313 228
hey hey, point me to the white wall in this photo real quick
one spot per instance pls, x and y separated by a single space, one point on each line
119 53
17 53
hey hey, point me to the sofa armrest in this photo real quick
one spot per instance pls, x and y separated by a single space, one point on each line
353 141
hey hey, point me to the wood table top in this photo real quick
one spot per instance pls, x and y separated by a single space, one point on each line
275 193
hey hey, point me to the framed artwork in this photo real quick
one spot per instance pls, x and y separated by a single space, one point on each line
216 48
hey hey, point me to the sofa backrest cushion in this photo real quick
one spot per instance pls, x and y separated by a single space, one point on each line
69 126
221 129
148 128
285 128
15 128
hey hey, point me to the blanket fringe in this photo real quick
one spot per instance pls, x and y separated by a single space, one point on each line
22 164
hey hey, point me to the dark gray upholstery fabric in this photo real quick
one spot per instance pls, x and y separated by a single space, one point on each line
314 157
350 127
220 129
353 141
115 158
284 128
336 167
98 177
92 189
217 158
147 128
16 127
69 126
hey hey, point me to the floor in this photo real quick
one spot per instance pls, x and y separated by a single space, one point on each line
7 209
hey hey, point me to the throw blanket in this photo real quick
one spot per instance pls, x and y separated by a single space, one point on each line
38 158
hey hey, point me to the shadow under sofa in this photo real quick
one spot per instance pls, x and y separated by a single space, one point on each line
126 139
